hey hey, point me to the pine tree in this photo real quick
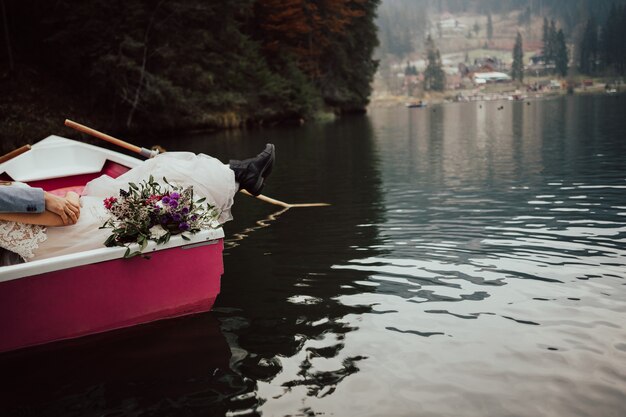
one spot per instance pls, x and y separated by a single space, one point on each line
549 41
561 55
609 37
545 39
552 43
517 69
612 53
588 49
434 76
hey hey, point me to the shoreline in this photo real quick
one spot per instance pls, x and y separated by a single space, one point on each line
29 118
471 96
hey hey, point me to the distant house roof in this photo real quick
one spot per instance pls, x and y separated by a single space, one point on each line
491 77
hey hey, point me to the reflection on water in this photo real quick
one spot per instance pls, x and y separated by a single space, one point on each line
472 263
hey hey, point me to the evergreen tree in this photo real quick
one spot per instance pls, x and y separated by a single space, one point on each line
434 76
561 57
613 38
609 37
410 69
549 41
489 27
588 49
552 42
517 69
545 39
620 51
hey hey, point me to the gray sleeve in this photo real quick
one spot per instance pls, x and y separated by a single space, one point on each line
21 200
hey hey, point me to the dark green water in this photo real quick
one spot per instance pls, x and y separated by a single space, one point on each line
473 263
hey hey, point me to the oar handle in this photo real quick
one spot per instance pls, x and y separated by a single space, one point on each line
118 142
14 153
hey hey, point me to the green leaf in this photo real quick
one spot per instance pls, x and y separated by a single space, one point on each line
110 241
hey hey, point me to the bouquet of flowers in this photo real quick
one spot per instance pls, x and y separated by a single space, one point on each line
149 211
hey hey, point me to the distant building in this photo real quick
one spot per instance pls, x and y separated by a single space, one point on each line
490 77
536 59
489 62
449 25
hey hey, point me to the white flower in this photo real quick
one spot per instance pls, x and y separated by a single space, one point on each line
157 231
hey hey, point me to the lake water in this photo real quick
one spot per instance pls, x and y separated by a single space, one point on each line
472 263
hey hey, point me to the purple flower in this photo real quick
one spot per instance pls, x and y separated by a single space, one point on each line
165 200
175 196
176 217
185 210
183 226
173 203
194 217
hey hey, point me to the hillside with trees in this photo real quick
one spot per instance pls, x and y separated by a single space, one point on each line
560 42
158 65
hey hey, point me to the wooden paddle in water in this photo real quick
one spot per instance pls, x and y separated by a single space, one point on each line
282 203
151 154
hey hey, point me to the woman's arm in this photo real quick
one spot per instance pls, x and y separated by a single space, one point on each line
47 218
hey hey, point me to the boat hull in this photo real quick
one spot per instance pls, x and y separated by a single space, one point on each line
109 295
95 291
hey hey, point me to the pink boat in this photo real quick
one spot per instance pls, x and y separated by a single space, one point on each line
96 291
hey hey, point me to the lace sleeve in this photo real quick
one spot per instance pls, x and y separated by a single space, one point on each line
21 238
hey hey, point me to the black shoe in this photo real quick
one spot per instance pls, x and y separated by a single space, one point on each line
251 173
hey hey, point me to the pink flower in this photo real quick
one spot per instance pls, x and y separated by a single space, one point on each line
152 199
108 202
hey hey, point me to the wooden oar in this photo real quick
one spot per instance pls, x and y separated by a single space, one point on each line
150 154
282 203
93 132
14 153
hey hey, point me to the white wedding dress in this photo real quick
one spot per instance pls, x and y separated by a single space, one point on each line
209 177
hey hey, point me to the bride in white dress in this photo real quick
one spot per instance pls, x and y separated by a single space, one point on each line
34 236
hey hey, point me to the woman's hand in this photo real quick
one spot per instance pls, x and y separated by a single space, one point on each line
68 208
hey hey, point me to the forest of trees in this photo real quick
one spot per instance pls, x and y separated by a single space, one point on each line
602 49
404 24
434 76
555 52
167 64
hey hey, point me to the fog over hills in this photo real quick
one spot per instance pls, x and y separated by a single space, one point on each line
404 24
469 36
